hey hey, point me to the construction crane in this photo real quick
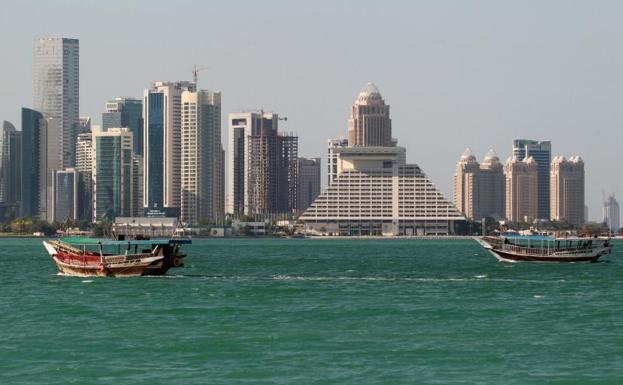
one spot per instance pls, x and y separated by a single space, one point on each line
196 71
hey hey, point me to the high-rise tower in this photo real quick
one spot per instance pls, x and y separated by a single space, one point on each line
262 165
521 189
56 94
541 152
38 162
567 184
112 173
10 157
201 199
466 186
127 113
612 213
162 149
369 123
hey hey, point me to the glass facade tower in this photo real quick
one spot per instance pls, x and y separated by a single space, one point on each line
541 151
126 113
56 70
112 173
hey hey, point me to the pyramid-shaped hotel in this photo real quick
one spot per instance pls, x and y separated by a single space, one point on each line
374 191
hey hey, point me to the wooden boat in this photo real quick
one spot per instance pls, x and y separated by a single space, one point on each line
539 248
88 257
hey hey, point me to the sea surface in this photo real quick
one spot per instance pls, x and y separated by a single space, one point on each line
278 311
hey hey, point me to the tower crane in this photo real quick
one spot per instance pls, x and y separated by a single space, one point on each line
196 71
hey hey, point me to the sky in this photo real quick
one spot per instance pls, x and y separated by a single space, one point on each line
456 74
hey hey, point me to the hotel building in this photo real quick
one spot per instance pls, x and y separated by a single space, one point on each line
567 189
479 188
375 192
521 189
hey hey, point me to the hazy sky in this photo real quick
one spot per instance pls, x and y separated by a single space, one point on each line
456 73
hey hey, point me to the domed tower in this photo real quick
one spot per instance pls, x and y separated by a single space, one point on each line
492 186
369 123
521 189
466 178
567 189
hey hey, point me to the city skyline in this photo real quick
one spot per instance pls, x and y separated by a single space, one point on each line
474 78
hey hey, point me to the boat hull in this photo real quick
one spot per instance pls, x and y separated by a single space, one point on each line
509 257
134 270
89 265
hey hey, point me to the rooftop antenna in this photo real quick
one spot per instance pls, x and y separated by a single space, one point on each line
196 71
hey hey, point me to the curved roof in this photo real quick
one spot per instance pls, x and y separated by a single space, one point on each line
370 94
468 155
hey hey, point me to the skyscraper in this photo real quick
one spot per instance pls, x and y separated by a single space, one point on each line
201 158
162 146
369 123
38 162
262 165
84 151
65 195
611 213
308 182
492 187
466 186
332 157
541 151
479 188
126 113
112 173
567 185
56 79
10 154
521 189
84 125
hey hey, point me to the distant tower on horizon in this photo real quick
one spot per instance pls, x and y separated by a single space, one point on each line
567 185
369 123
521 189
541 151
56 90
612 212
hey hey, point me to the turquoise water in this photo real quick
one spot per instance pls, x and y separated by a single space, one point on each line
314 312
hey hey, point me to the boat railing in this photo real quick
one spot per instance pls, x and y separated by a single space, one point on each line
549 250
